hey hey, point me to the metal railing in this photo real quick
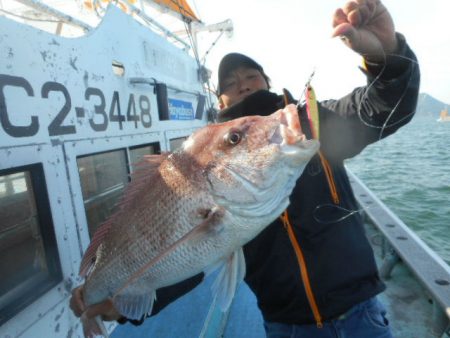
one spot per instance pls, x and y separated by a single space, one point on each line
401 244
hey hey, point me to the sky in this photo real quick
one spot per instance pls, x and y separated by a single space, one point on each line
292 38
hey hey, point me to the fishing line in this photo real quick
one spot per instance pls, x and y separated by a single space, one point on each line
348 213
391 114
302 98
365 94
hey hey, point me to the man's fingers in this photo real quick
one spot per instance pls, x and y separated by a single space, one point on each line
104 309
366 27
98 309
372 5
76 301
339 17
355 17
341 25
350 7
357 13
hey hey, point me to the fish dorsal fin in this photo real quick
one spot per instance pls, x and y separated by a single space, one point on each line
134 306
145 170
228 279
147 165
91 252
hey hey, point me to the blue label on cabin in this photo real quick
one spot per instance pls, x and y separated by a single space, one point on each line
180 110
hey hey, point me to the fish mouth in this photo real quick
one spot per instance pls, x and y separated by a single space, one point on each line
288 135
289 131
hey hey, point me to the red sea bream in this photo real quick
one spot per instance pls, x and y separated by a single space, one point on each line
194 209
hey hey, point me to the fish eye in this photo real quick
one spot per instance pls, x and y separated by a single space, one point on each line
233 137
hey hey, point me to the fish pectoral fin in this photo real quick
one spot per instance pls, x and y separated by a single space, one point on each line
212 222
229 277
134 306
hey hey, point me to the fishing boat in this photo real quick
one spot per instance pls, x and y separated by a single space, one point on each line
86 89
443 116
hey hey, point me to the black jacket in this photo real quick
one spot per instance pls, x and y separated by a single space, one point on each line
338 256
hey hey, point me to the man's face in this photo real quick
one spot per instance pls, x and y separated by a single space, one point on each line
240 83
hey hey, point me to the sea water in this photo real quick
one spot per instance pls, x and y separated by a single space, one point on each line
410 172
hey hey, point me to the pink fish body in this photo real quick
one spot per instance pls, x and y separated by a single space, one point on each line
194 209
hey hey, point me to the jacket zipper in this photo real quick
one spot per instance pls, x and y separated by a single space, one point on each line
330 179
303 269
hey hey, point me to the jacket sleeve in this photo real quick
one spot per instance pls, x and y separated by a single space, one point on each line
374 111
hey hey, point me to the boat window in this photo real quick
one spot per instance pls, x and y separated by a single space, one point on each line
176 143
103 177
29 261
136 153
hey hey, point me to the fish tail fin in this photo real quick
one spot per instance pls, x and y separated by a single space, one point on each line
93 327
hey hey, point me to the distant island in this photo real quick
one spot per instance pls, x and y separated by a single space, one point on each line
428 105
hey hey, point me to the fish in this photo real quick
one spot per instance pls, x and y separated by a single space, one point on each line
192 210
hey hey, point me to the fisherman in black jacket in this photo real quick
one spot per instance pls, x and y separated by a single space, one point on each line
313 271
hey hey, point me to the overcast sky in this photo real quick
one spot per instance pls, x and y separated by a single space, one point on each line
291 38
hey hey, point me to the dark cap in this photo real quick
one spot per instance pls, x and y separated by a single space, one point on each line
232 62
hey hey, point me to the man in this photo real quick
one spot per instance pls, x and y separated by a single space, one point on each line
313 271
